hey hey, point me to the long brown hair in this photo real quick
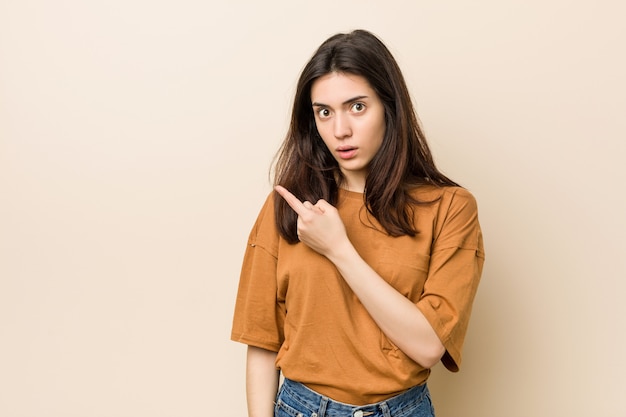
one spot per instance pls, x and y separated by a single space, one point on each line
306 167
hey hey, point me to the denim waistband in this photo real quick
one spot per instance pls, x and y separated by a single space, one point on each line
297 400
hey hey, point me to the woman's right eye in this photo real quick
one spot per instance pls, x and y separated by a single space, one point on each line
323 113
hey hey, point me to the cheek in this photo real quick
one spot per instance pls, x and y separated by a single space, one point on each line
377 124
324 140
379 136
323 134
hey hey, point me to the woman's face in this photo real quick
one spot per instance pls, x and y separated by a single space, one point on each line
350 118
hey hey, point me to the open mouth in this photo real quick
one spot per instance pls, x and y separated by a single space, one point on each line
346 152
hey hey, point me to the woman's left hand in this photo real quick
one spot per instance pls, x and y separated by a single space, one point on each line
319 224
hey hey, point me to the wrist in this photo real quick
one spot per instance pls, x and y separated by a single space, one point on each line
342 252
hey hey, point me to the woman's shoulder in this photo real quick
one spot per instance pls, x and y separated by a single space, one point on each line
264 231
443 201
432 192
266 212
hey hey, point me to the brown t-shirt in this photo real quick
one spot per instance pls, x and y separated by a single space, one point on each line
293 301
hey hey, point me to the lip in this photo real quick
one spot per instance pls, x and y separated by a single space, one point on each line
346 152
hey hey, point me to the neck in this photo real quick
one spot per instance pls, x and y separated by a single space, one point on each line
353 183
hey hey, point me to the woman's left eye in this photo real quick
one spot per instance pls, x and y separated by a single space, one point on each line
358 107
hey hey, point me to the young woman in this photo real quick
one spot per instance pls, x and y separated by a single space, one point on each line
361 269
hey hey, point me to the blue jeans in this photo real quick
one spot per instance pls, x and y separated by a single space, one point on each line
296 400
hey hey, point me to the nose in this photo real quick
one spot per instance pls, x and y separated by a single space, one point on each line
342 128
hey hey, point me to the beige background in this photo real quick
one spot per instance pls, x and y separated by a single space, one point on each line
135 141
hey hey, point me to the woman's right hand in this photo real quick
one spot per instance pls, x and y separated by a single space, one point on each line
319 225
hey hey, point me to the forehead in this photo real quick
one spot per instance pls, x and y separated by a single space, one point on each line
336 87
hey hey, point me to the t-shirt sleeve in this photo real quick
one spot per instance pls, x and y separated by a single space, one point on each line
456 263
259 317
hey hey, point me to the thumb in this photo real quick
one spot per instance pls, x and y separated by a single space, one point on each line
323 206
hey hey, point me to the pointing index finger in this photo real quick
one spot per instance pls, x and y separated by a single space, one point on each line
291 199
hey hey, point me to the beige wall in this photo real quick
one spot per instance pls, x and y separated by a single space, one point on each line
135 138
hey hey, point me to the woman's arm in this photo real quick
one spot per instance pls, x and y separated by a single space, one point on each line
261 382
321 228
398 318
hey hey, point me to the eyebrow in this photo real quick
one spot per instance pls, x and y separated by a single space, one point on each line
353 99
